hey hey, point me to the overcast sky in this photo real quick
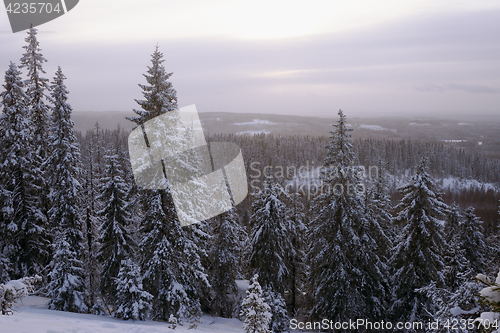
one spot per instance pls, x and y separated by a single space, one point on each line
370 58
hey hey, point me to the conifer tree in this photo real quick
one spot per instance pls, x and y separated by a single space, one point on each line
269 239
418 256
67 278
224 257
346 277
116 242
378 212
24 225
472 240
255 310
165 247
295 255
132 301
452 225
37 92
269 243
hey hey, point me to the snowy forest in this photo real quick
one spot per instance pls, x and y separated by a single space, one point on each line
404 232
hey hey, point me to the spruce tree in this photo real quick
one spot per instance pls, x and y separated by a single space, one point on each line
295 254
472 240
67 278
224 260
132 301
269 242
346 277
116 242
418 256
37 92
378 212
24 225
165 247
452 225
255 310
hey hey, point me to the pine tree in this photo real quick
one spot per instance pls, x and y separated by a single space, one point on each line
472 240
346 278
377 210
66 282
160 96
37 91
67 277
37 88
295 254
418 256
269 238
452 225
116 243
132 301
24 225
224 257
165 247
268 247
255 310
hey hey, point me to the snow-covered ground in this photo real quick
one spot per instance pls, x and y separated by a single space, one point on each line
376 128
257 122
254 132
32 316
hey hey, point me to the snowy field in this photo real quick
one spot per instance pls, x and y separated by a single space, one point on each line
31 316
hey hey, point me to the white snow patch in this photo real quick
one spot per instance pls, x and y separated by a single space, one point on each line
376 128
257 122
32 316
420 124
455 141
465 124
253 132
455 184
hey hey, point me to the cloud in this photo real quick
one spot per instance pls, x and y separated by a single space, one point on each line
469 88
381 67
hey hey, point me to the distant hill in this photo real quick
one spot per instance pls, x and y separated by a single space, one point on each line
478 136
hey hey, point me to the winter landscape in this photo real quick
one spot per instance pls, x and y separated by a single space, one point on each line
364 222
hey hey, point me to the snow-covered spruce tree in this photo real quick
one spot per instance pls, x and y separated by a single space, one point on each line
165 248
15 290
224 256
417 260
472 240
116 242
26 242
91 176
67 278
295 256
256 311
131 300
269 242
452 225
378 212
346 277
37 91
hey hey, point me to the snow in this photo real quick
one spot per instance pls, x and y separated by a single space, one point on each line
254 132
32 315
257 122
456 184
454 141
376 128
